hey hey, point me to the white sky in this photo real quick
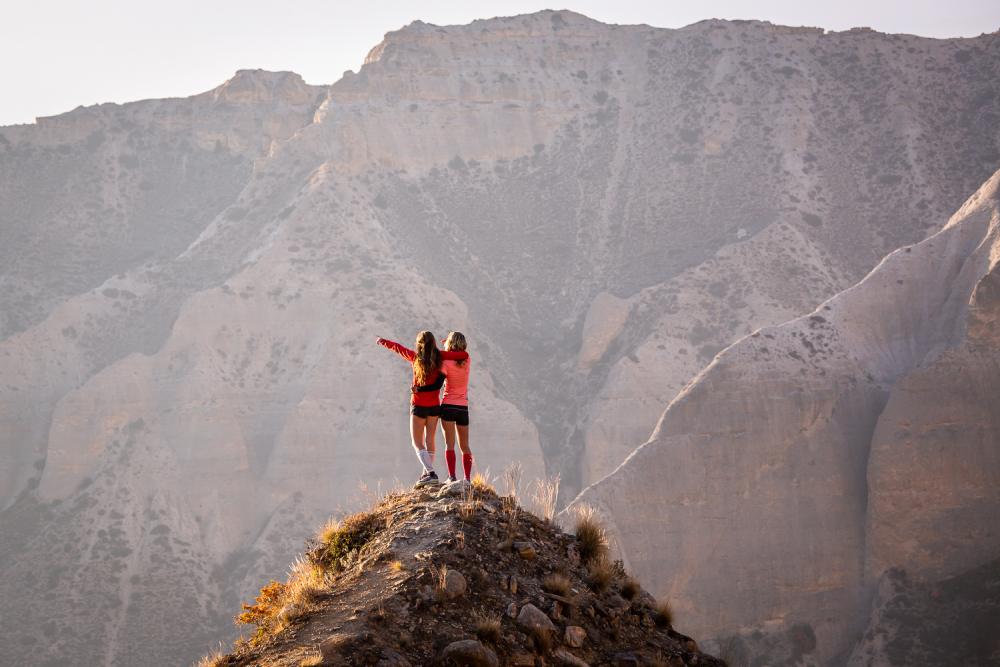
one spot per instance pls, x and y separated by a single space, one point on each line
58 54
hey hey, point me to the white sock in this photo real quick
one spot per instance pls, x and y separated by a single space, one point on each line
426 459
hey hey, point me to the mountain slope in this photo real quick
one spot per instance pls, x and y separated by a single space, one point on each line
601 208
827 450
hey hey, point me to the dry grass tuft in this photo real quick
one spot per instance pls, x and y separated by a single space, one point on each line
312 661
591 538
542 640
557 583
305 582
630 588
663 614
599 575
214 659
397 566
512 479
544 494
488 628
481 483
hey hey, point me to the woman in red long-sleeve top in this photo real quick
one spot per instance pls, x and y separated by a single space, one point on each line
425 401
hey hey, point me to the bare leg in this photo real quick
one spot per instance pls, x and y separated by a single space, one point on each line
431 434
449 434
417 425
463 439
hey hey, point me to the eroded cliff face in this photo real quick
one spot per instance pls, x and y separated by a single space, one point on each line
810 458
190 285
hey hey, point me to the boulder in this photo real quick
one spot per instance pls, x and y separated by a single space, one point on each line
534 619
454 584
470 653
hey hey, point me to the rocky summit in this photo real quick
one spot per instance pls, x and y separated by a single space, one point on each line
460 577
189 289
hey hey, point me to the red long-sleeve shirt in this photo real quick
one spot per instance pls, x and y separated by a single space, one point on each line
429 394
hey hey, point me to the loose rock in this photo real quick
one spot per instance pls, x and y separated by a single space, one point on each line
574 636
525 550
567 658
534 619
472 653
391 658
454 584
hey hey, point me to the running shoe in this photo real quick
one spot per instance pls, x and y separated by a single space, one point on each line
427 479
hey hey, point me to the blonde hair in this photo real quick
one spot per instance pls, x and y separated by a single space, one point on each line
456 341
428 358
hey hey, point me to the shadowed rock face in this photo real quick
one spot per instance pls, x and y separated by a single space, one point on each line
189 286
810 458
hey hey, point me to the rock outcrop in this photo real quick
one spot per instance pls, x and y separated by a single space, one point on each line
187 285
376 589
814 456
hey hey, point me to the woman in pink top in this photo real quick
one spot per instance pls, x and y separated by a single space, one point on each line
455 406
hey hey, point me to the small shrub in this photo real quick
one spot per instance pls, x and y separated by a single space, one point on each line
488 629
397 566
663 614
338 539
268 603
630 588
599 575
557 583
590 536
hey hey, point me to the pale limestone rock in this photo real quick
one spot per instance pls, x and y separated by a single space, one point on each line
781 462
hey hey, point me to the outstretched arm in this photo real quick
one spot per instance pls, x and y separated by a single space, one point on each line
402 351
454 355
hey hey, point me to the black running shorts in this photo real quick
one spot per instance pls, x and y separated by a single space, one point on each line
425 410
455 413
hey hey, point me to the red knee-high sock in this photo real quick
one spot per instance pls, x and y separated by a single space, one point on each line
467 464
449 456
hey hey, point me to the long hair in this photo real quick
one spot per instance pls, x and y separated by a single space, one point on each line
428 358
456 341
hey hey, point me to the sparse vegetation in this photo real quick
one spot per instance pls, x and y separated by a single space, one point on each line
591 538
488 628
599 575
663 614
630 588
339 539
214 659
544 494
481 483
267 605
557 583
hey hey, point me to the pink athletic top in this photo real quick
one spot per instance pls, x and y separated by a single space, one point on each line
456 382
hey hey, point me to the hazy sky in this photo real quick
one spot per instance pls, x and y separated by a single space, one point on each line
58 54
